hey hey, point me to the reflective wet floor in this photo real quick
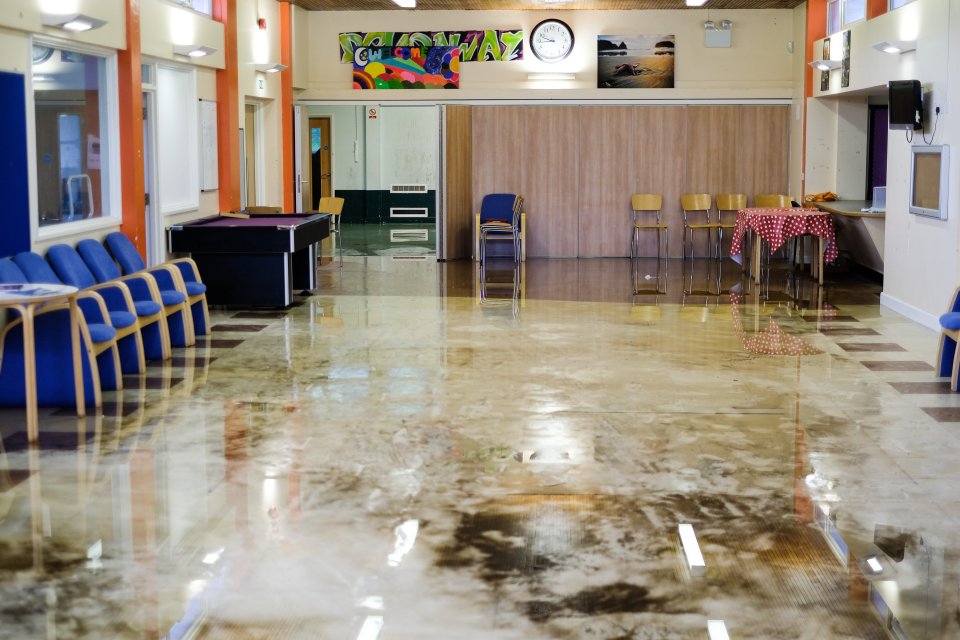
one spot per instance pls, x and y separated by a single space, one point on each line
424 450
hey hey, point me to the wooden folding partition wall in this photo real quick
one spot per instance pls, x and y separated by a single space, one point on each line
458 209
577 166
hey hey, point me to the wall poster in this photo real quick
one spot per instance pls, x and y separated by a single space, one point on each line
475 45
406 68
845 61
635 62
825 75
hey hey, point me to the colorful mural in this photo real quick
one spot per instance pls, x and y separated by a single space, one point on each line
406 68
475 46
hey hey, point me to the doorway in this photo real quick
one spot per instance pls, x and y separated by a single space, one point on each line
249 177
321 168
156 246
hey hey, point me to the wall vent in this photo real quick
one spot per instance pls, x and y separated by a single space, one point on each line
409 235
409 212
416 258
408 188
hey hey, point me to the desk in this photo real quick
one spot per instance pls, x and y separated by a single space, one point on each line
776 226
27 299
255 261
850 208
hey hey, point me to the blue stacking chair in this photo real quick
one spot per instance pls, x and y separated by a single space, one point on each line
948 356
181 274
143 286
500 218
134 294
105 299
53 354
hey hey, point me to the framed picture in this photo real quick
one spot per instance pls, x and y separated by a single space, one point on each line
845 61
635 62
825 75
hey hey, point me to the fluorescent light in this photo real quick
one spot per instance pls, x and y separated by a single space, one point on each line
696 3
270 67
551 76
72 22
874 564
717 630
193 50
825 65
688 539
406 4
895 46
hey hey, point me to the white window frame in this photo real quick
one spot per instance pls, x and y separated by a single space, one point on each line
109 143
200 6
844 13
896 4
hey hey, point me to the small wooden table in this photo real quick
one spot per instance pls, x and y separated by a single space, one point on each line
27 299
776 226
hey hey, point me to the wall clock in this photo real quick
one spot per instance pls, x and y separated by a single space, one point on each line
551 40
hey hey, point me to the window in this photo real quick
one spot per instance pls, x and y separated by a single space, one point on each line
833 16
854 11
842 13
73 107
896 4
178 146
201 6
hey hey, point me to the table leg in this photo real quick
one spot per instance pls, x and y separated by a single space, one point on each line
29 372
755 258
76 348
820 250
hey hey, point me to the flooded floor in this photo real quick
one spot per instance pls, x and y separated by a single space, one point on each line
423 450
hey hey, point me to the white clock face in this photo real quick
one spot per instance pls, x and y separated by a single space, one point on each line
551 40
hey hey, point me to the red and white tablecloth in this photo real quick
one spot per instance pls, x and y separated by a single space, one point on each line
776 226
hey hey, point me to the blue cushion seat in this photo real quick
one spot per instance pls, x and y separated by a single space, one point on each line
101 332
195 288
171 296
950 321
146 307
122 319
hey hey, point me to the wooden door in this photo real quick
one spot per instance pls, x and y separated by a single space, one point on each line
457 210
250 151
321 168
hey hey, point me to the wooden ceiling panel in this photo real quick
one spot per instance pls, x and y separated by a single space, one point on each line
538 5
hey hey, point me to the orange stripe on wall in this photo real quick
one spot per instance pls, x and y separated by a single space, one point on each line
816 30
228 109
132 187
287 179
876 8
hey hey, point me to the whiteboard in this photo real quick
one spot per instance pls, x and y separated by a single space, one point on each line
209 177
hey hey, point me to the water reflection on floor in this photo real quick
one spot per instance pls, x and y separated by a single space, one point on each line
427 450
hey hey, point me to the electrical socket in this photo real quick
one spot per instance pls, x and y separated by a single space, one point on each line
940 108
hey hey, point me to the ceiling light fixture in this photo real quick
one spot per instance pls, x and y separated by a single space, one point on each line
192 50
825 65
688 540
895 46
270 67
72 22
696 3
551 76
406 4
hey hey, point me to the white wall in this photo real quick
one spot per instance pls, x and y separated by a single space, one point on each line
756 66
921 265
409 145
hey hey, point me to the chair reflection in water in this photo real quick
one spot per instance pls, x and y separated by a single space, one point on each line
500 284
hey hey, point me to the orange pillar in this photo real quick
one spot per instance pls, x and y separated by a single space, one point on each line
228 109
876 8
816 30
288 177
132 189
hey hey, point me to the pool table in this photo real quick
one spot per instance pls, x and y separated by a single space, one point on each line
255 261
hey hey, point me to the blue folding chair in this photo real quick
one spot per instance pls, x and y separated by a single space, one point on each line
500 218
181 274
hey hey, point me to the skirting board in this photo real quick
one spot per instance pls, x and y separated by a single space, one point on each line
919 316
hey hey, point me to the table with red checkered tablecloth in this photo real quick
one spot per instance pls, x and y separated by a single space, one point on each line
776 226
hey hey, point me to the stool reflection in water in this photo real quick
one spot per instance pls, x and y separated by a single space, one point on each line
500 283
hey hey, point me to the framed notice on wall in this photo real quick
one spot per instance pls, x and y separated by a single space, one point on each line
209 177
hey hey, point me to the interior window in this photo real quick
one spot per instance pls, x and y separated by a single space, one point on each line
833 16
854 11
70 110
